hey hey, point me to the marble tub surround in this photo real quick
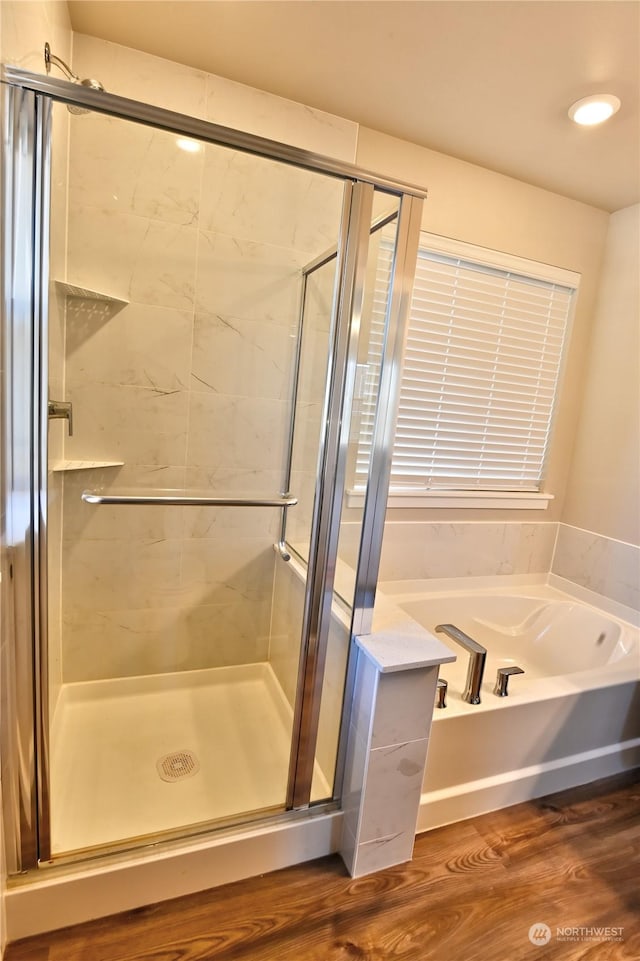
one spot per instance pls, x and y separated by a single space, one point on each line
391 715
600 564
465 549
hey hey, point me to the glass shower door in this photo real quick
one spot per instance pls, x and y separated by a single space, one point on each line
163 683
174 309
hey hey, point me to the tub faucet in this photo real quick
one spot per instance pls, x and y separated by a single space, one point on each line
502 680
477 658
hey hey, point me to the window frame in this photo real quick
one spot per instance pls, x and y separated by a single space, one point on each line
474 498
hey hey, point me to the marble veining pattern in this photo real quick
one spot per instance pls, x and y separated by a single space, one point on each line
190 383
385 762
465 549
600 564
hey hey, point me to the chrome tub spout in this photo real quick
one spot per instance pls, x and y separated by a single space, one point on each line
477 658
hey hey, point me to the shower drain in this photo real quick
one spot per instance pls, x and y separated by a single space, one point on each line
178 765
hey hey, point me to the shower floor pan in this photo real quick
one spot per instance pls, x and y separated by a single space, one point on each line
135 756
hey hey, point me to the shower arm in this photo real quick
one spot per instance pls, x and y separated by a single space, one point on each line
50 58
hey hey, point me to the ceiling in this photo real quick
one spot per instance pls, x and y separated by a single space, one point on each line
488 82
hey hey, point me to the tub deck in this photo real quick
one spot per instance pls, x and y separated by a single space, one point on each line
573 716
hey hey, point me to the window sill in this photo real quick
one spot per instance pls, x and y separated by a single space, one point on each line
491 500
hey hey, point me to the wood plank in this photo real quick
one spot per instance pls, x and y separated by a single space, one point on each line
472 891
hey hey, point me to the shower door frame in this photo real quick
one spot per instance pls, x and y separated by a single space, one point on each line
27 113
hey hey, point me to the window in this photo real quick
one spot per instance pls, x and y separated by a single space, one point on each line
480 375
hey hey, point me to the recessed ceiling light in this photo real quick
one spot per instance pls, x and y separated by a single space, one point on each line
191 146
595 109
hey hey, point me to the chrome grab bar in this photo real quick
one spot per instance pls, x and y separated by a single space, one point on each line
281 548
478 656
186 500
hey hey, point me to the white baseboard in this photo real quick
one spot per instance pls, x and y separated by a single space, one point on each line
449 805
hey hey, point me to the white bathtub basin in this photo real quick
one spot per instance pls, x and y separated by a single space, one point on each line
545 635
573 716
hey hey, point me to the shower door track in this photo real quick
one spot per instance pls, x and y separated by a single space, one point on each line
29 98
205 130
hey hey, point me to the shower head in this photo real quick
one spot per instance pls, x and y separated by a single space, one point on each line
50 58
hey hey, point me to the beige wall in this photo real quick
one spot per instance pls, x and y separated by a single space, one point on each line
603 491
481 207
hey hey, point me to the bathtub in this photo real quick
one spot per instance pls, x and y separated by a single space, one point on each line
572 717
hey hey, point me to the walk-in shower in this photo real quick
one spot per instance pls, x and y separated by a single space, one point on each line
205 317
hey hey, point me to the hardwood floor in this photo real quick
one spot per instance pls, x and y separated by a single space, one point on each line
471 893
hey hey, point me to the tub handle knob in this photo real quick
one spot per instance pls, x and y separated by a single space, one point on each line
502 680
441 693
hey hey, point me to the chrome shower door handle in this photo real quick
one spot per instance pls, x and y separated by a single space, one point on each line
62 409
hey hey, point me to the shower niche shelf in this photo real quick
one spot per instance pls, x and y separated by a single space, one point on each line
66 465
85 293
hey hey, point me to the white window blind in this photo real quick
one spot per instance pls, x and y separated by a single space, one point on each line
480 373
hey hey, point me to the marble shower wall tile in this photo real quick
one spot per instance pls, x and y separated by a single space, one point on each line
236 432
228 570
605 566
127 168
190 383
117 574
99 644
138 425
138 606
141 76
95 522
248 280
236 356
133 258
245 108
473 549
224 522
154 80
138 346
250 198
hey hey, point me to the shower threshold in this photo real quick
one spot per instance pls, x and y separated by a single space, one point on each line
111 740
